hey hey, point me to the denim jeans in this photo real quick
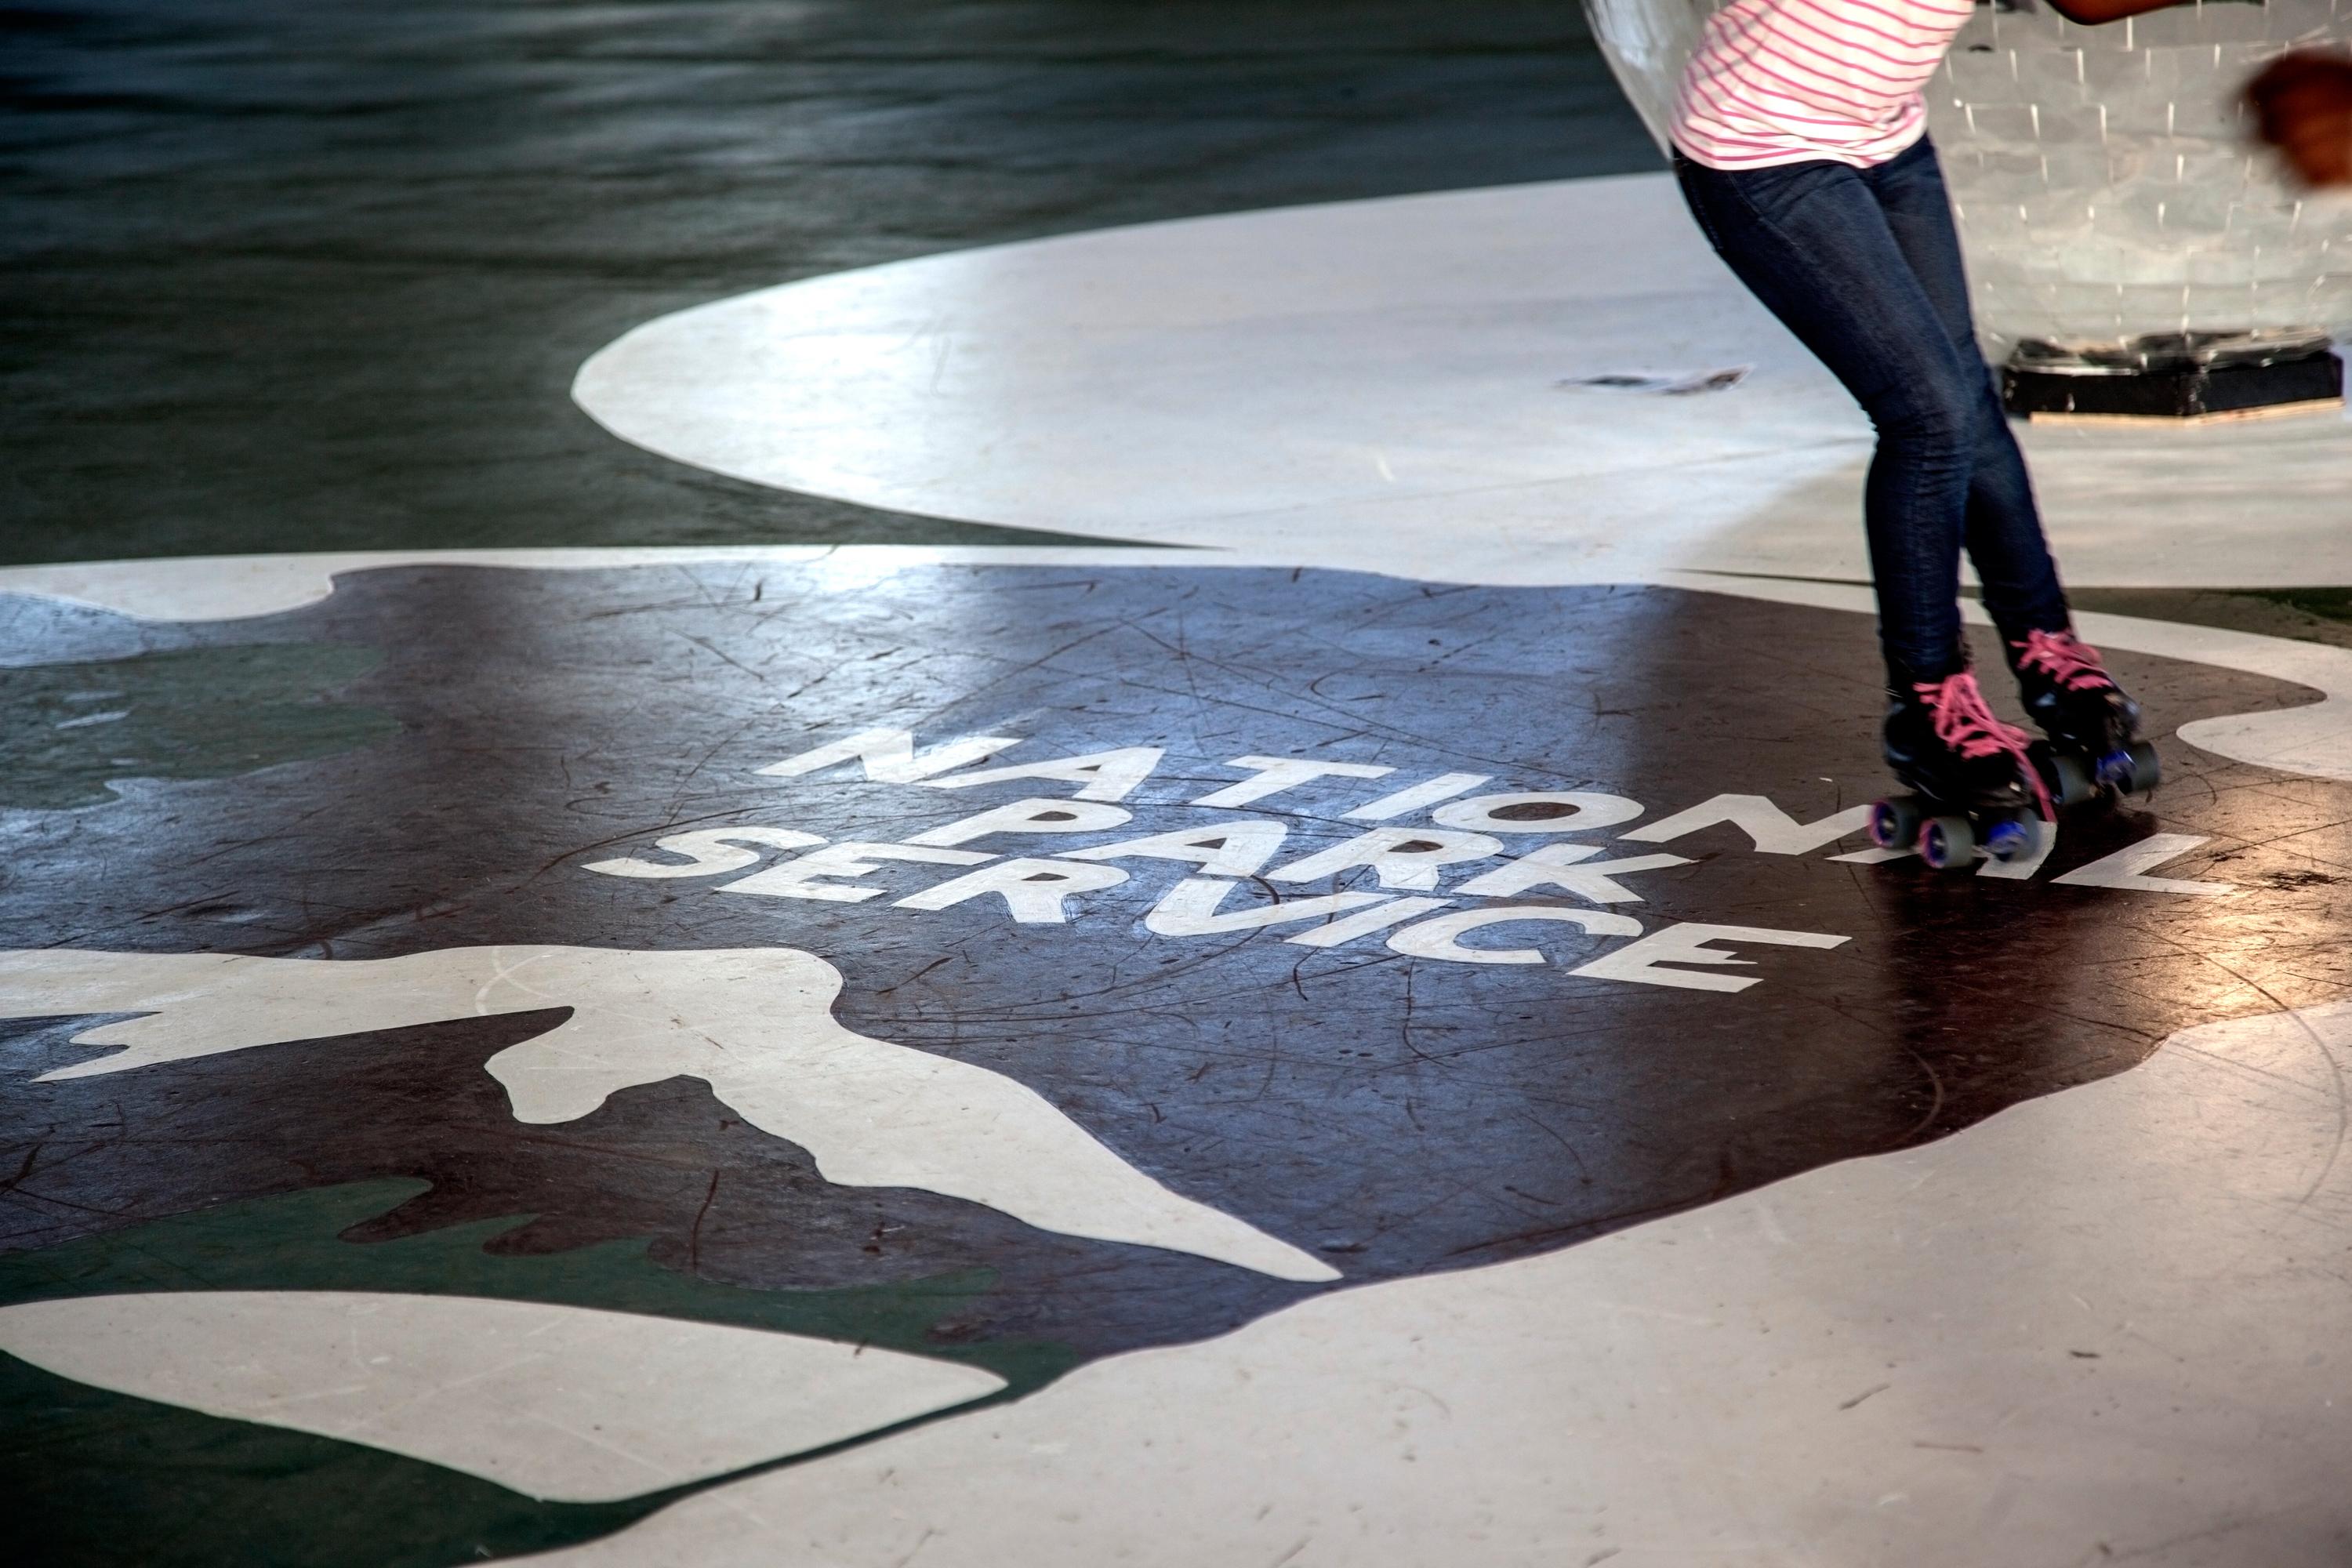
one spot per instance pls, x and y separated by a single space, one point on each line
1864 266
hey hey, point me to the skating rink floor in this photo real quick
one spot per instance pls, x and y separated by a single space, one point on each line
1105 885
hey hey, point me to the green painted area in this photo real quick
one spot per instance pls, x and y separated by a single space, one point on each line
100 1477
2308 615
2328 604
192 713
106 1477
290 1243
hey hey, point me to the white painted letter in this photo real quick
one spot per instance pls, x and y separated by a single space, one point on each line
1190 909
1032 890
1573 811
713 850
1401 857
1221 849
1077 816
1436 939
1554 866
798 878
1444 786
1276 774
1638 962
1773 831
1364 923
2125 869
1106 775
890 756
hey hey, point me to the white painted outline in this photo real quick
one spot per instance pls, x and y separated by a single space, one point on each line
1392 383
571 1403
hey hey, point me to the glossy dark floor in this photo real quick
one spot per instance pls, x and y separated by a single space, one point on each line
294 277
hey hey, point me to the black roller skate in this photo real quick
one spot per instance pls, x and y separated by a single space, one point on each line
1973 779
2093 727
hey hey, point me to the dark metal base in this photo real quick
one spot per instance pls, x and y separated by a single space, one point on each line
2176 390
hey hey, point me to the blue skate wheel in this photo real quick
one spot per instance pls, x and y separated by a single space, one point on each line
1894 822
2014 838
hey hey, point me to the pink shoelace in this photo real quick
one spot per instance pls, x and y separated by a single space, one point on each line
2064 659
1965 723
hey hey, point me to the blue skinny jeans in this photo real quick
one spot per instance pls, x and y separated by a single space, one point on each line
1864 266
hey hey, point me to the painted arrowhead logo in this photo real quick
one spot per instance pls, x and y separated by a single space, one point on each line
904 983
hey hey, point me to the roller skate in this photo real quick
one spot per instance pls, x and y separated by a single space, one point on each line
1972 779
2093 727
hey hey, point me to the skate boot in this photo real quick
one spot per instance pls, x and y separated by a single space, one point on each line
1972 778
2093 727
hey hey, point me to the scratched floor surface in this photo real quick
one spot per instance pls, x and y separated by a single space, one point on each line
1287 932
1373 1039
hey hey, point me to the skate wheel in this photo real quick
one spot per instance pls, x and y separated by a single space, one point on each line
2142 769
2015 837
1947 841
1895 822
2071 783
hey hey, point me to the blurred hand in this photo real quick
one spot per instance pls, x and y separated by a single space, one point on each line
2303 106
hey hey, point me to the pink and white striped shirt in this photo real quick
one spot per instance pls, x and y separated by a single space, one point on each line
1780 81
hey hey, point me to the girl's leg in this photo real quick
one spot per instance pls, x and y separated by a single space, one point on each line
1813 243
2002 526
